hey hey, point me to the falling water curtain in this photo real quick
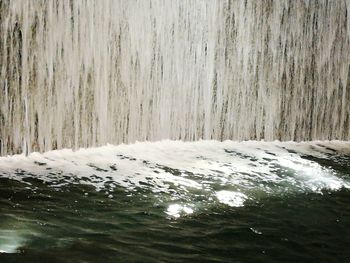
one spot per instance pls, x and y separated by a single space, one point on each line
86 72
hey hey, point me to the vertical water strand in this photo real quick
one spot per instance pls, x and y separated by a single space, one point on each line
85 73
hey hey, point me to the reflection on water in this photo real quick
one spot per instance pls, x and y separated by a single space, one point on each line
176 210
10 241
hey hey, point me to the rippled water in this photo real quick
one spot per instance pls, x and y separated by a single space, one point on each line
175 201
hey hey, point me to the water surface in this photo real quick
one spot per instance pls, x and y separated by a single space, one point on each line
174 202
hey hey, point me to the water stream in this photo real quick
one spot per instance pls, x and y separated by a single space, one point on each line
85 73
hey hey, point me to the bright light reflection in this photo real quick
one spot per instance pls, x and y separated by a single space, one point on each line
10 241
176 210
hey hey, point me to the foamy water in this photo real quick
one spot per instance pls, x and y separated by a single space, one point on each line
189 176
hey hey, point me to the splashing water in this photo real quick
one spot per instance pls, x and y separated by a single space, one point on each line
189 176
204 199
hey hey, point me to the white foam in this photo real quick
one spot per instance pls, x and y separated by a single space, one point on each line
234 199
228 171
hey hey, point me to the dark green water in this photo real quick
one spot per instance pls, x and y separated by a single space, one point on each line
68 226
41 222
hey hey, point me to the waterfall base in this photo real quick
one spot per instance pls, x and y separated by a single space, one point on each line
172 200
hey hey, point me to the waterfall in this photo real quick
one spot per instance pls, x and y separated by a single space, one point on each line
84 73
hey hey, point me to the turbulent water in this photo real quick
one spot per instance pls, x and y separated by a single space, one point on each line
85 73
178 201
198 77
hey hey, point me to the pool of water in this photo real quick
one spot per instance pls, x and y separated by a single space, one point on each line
174 202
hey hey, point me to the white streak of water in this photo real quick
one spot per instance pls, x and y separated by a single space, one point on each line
85 73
